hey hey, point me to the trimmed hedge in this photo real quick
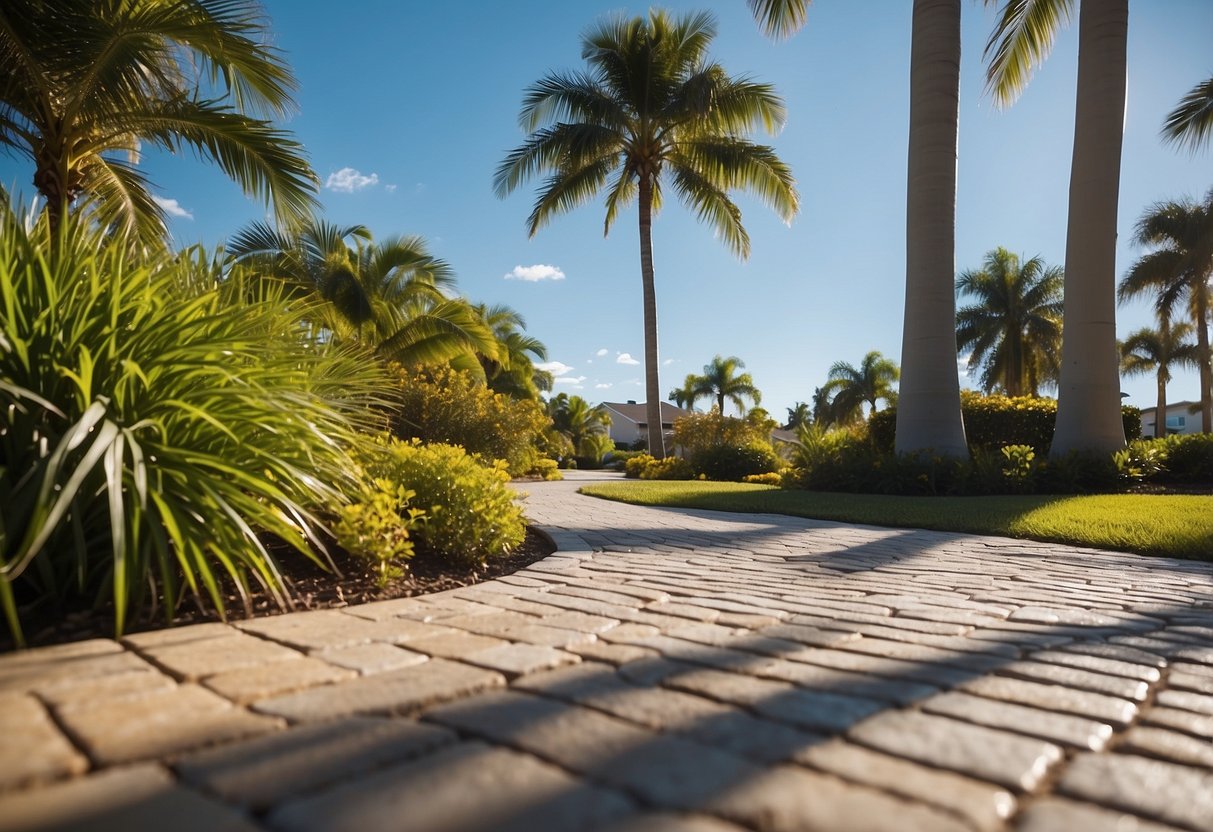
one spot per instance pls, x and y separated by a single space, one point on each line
992 422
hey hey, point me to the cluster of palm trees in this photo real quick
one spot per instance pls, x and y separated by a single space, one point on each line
847 391
720 382
579 428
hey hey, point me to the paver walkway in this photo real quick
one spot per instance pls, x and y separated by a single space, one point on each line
665 670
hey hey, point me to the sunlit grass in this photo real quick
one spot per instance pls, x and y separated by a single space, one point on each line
1150 524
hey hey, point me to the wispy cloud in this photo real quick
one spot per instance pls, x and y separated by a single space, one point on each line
172 207
570 379
625 358
603 386
535 273
556 368
391 189
348 180
602 352
667 362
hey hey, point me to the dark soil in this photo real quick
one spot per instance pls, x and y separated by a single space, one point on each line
308 587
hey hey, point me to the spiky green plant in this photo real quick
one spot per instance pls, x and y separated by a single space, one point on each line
156 422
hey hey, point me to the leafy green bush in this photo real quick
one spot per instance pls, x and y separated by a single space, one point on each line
470 513
670 468
734 463
634 465
701 431
1189 458
450 407
772 478
156 423
377 527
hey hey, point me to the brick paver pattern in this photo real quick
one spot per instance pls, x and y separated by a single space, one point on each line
664 670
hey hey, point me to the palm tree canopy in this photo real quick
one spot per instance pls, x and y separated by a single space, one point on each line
779 18
1180 234
1154 351
1191 122
685 396
84 84
1014 328
513 371
722 382
1021 41
577 420
799 414
652 107
850 387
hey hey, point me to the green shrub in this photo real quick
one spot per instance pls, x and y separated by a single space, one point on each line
734 463
470 512
452 408
771 478
593 450
634 465
546 469
377 528
1188 458
700 431
670 468
156 423
1019 468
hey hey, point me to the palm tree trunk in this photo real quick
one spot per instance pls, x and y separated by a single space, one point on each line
1201 302
652 388
928 409
1160 412
1088 398
720 403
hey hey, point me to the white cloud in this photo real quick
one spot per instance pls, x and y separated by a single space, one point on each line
602 352
570 379
667 362
624 358
348 180
603 386
556 368
535 273
172 207
391 189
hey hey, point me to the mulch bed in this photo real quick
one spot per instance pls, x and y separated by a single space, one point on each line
308 586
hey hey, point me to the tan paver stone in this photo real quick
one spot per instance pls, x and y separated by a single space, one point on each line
1052 814
460 789
1195 682
1196 655
586 623
982 805
662 770
1191 669
329 629
33 748
1197 725
57 653
375 657
395 692
1059 615
65 693
159 723
129 798
785 799
1169 745
300 761
199 658
174 636
614 653
1119 652
1167 792
1064 729
30 672
520 659
1116 712
929 673
252 683
1019 763
687 610
1186 700
1097 664
454 645
1073 677
395 608
816 677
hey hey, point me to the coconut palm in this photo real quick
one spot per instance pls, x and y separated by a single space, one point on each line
388 294
929 414
578 421
799 414
1155 351
1176 272
513 371
685 395
850 387
1014 329
84 85
721 381
1088 407
1191 122
650 112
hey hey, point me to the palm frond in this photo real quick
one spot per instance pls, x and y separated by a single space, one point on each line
1021 41
779 18
1190 124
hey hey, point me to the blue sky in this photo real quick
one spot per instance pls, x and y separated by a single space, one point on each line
407 108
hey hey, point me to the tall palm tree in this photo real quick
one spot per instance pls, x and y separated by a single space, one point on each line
823 411
929 413
84 84
1156 351
850 387
1088 407
1177 272
1191 122
800 414
1014 328
651 111
721 381
578 421
513 370
685 396
387 294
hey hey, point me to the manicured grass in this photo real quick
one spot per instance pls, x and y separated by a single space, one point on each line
1153 524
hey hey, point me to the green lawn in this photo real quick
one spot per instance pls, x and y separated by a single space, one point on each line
1171 525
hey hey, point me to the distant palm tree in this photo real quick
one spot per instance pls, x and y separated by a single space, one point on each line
850 387
651 111
579 422
1177 273
823 412
84 84
388 295
1088 399
1155 351
1014 329
685 395
721 381
800 414
1191 122
513 371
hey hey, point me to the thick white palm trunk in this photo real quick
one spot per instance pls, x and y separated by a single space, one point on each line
928 409
1088 407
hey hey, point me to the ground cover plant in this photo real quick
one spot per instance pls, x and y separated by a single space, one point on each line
1171 525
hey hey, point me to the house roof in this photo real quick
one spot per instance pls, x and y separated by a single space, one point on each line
1170 405
636 412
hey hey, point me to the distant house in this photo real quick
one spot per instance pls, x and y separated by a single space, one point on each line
1180 419
630 422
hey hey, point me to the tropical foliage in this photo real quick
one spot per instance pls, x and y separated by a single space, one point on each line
849 387
512 370
84 85
721 381
1155 351
581 424
800 415
651 111
1191 122
1013 330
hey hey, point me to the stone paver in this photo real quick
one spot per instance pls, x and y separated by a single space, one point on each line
665 671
